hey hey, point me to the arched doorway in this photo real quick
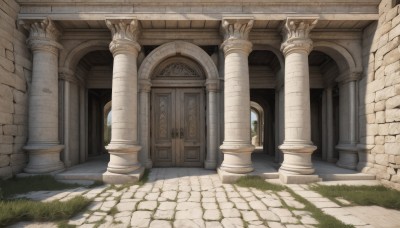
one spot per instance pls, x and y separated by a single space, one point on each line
177 114
178 85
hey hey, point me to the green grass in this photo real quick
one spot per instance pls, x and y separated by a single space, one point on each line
325 221
258 183
362 195
27 210
15 186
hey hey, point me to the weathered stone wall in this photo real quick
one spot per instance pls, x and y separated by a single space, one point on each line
380 97
15 73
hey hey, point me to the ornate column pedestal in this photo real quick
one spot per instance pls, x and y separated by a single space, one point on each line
124 147
43 145
236 147
348 152
297 146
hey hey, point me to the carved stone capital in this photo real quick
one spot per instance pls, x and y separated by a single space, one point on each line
296 33
236 33
144 86
212 85
125 33
348 77
43 35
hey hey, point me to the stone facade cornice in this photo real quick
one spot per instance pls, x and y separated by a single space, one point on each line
236 34
43 35
296 34
125 33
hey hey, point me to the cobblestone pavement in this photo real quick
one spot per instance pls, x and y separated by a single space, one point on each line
181 197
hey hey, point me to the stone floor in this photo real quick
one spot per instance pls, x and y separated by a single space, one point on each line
183 197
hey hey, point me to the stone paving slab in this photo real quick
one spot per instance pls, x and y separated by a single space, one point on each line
182 197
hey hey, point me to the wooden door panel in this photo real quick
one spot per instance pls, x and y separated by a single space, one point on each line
191 115
163 123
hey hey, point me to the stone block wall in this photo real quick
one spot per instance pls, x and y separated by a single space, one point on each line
15 73
380 96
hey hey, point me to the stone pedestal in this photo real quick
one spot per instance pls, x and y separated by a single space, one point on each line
236 147
43 145
124 146
348 152
297 146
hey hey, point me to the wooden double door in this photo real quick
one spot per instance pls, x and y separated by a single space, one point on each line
178 127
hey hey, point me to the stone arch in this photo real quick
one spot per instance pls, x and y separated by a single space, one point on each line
77 53
274 50
344 59
178 48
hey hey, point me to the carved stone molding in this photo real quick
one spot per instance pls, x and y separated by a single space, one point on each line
296 33
212 85
144 86
348 77
236 33
43 35
125 33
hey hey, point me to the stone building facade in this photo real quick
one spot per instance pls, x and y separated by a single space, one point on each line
176 83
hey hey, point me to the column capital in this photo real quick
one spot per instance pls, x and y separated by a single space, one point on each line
144 85
346 77
125 33
236 33
43 35
212 85
296 34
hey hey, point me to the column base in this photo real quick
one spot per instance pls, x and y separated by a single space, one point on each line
363 151
297 159
123 158
210 165
298 179
44 158
237 158
229 178
127 178
348 156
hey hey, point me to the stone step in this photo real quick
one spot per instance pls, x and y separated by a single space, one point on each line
347 177
79 176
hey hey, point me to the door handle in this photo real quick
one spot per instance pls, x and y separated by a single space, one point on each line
181 133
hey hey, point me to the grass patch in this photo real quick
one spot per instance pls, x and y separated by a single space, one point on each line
16 186
258 183
362 195
325 221
27 210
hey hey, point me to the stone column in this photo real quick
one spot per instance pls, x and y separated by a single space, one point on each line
124 146
236 147
348 153
212 124
297 146
43 145
329 124
144 94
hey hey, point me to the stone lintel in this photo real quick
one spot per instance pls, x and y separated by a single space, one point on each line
298 179
116 178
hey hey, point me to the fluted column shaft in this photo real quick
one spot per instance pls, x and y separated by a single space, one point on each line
124 147
237 147
43 144
329 124
297 146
